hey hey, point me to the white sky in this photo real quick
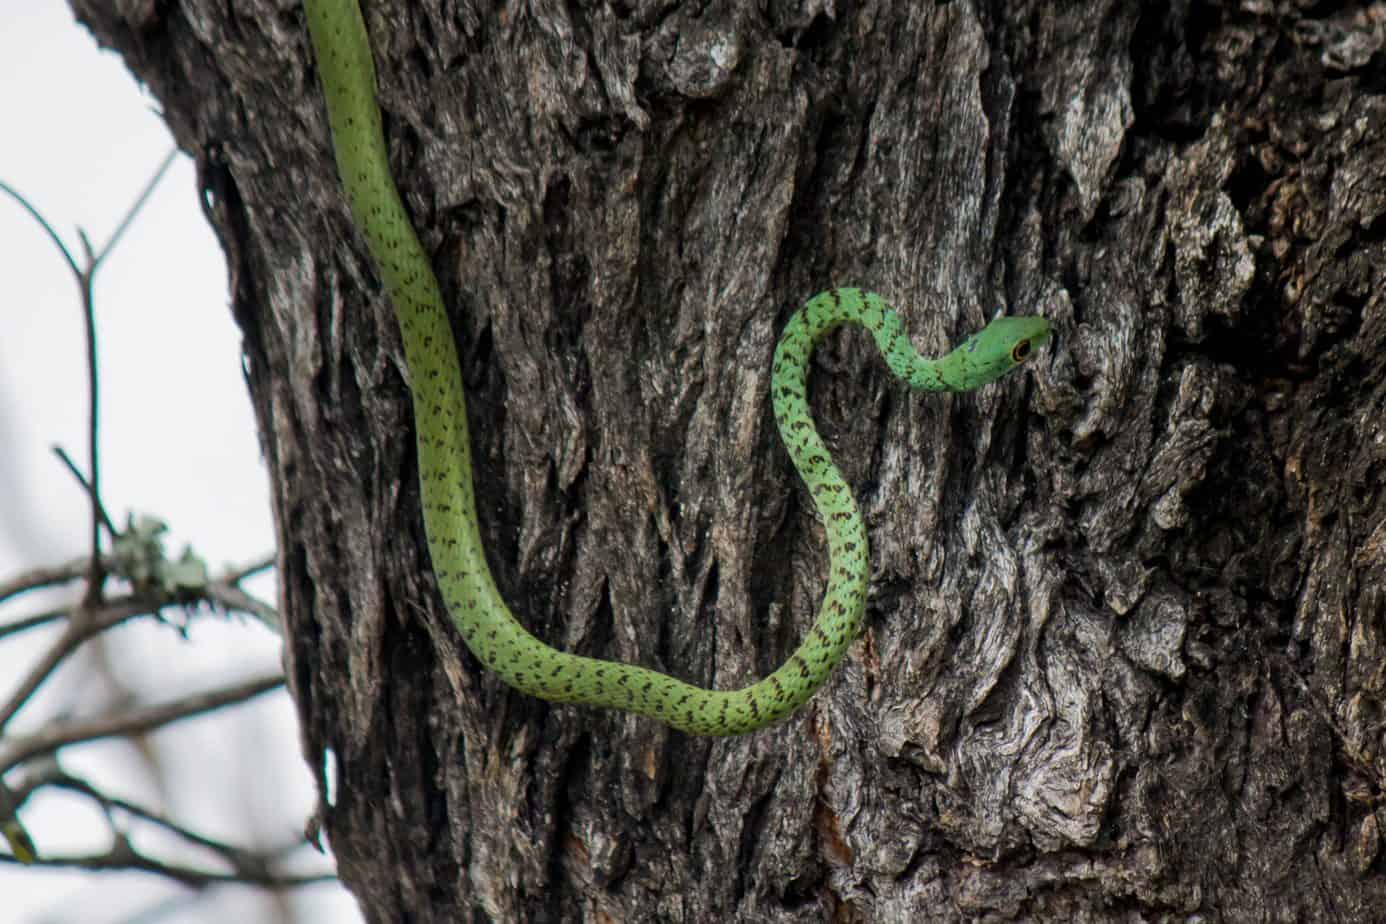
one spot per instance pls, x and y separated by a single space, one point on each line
80 140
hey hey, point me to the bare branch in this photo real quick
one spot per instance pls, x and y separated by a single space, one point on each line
132 722
78 631
86 623
39 578
237 858
223 591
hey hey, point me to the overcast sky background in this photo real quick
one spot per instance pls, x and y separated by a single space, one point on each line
80 141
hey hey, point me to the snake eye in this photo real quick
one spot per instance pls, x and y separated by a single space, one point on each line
1020 351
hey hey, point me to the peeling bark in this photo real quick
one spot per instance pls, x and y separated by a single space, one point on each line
1124 656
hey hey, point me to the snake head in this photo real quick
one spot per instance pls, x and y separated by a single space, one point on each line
993 352
999 347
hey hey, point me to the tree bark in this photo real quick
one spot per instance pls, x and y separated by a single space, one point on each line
1124 655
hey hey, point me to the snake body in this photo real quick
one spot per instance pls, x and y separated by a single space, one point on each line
495 637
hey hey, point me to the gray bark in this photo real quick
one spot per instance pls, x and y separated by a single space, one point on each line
1124 656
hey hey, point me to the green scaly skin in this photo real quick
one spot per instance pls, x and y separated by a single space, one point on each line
494 635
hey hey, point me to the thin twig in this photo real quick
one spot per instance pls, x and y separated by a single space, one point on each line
47 228
250 865
84 284
132 722
97 579
39 578
86 486
127 859
57 777
134 210
36 621
240 573
86 279
233 598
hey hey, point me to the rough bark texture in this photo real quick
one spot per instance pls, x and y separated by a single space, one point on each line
1125 649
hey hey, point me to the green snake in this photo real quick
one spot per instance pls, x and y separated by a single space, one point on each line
495 637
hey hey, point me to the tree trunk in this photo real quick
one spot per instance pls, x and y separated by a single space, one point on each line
1123 657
